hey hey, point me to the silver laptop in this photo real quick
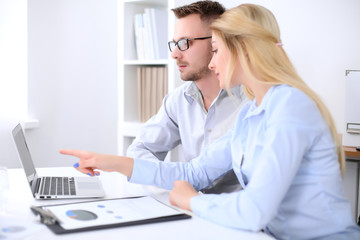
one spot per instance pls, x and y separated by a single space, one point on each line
54 187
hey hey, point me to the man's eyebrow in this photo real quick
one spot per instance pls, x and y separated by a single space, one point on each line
184 37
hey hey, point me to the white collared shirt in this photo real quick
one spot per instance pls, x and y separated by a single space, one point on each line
183 119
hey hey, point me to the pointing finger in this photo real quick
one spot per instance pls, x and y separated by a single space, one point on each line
75 153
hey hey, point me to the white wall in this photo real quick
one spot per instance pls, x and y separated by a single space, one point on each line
13 74
72 72
322 39
72 78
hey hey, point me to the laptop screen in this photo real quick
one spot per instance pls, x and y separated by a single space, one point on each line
24 155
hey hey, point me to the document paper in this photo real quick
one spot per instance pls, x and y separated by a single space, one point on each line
97 213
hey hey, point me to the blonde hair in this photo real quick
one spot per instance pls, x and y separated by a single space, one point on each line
252 35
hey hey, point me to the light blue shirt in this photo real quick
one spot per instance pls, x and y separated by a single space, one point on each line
183 119
284 156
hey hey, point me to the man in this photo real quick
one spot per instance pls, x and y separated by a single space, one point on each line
198 112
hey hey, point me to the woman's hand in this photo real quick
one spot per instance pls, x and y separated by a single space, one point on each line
181 194
89 162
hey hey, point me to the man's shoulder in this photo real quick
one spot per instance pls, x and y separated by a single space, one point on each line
237 95
179 92
183 87
238 91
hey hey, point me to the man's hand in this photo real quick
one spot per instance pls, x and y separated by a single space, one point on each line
181 194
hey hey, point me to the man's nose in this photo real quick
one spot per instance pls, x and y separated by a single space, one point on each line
176 53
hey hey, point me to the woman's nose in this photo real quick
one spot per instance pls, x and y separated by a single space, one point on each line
211 65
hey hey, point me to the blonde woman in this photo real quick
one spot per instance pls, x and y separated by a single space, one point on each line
284 147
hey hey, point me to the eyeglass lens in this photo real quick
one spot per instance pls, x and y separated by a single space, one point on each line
182 44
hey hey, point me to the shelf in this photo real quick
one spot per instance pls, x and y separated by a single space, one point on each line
146 62
128 11
30 124
129 84
130 129
160 3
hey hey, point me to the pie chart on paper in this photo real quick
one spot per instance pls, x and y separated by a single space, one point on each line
81 215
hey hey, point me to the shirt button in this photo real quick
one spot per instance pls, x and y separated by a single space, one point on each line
209 130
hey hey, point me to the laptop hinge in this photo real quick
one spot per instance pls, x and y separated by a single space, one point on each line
37 186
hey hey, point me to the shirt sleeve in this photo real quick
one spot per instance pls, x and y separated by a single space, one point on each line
284 145
200 172
253 207
157 136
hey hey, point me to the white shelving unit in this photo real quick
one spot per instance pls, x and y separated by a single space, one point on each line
129 123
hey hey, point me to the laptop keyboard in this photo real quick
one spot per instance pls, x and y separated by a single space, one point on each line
58 186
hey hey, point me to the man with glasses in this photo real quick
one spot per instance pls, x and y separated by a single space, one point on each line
198 112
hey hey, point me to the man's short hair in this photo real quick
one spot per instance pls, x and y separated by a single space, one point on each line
208 10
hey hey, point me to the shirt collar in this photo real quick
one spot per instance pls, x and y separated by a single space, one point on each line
256 110
192 92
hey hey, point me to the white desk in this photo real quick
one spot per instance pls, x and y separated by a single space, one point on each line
352 179
20 198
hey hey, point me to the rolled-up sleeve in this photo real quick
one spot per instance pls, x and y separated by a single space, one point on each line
157 136
200 172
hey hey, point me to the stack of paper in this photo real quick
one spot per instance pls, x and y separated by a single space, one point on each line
152 88
151 34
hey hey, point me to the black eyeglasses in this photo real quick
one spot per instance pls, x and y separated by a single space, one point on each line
183 44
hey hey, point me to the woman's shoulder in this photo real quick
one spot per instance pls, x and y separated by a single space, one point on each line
289 103
288 93
289 97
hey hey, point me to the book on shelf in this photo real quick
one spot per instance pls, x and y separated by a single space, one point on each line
152 88
151 34
148 82
139 31
149 44
139 72
163 86
160 34
154 91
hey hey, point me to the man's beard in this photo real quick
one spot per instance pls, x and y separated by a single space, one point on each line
201 73
194 76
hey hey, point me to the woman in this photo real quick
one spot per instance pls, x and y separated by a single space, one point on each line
284 147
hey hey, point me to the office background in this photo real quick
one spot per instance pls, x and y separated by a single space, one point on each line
59 66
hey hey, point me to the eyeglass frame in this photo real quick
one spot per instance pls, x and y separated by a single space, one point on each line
187 42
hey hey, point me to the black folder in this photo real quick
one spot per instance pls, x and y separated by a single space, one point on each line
54 223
